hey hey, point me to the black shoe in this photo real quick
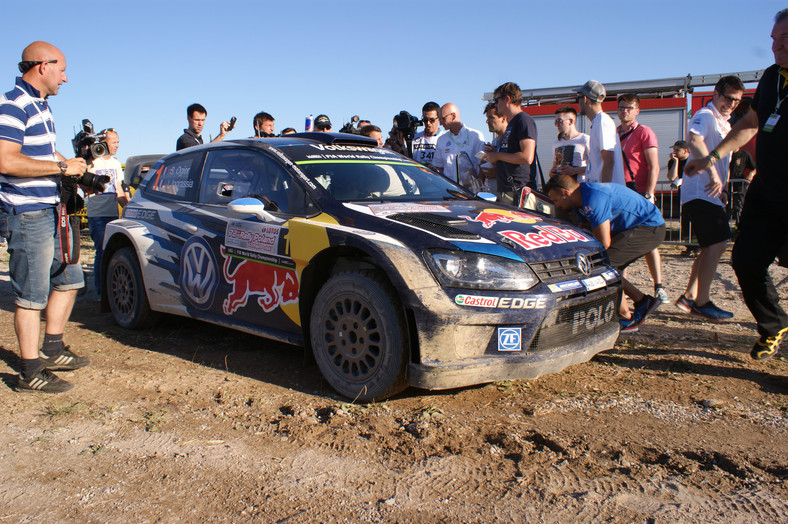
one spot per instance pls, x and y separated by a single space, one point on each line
767 346
65 360
43 381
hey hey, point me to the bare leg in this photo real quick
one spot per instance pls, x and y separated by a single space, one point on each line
707 269
58 310
27 324
654 266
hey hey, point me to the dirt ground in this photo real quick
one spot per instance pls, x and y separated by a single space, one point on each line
191 422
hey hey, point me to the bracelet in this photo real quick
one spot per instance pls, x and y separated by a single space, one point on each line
714 155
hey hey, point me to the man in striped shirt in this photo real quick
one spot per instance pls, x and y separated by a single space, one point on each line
30 168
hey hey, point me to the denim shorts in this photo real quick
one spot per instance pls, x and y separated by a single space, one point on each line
34 262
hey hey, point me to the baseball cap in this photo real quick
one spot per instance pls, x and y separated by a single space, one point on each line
593 90
680 144
322 122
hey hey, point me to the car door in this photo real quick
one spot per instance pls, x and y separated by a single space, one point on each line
256 283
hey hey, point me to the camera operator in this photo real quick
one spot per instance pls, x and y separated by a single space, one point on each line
30 169
263 125
102 207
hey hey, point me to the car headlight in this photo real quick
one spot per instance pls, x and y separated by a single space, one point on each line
477 271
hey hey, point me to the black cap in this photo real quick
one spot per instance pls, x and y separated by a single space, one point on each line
680 144
322 122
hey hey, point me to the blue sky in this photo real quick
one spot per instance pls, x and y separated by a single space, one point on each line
135 66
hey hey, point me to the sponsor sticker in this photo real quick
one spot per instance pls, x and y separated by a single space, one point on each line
272 285
501 302
140 214
390 209
594 283
565 286
610 274
510 339
252 236
544 236
489 217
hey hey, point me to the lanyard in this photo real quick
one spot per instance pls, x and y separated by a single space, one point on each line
780 100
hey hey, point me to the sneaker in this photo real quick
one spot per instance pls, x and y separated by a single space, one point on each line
767 346
644 308
685 304
661 295
629 325
43 381
710 312
64 361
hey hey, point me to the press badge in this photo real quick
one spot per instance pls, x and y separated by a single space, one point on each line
768 127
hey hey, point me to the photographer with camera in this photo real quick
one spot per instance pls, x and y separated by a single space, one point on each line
31 171
192 136
102 205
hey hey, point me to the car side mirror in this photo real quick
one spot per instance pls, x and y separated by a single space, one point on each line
252 206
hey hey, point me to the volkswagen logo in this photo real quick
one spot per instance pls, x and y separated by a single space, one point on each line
583 264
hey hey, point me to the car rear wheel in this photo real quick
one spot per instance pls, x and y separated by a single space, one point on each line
359 337
126 291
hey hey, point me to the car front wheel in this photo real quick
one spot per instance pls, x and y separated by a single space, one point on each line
358 336
126 291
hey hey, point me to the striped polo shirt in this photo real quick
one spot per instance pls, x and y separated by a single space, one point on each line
25 119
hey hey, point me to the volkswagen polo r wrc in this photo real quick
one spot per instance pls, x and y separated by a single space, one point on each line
392 274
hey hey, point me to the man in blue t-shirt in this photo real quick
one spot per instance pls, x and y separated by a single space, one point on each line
628 225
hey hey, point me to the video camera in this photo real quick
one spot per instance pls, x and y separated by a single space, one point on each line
350 127
407 124
90 146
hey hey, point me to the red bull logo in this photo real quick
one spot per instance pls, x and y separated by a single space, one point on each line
489 218
544 236
273 285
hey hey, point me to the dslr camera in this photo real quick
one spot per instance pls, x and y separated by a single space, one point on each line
350 127
90 146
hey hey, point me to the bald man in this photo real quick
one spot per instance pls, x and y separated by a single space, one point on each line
459 139
30 167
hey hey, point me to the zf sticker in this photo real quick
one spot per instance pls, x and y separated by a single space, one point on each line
510 339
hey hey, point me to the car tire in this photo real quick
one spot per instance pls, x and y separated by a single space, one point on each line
359 337
126 291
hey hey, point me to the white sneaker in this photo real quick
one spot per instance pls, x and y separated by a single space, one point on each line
661 295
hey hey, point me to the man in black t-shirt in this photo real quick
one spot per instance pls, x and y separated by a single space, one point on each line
763 232
514 160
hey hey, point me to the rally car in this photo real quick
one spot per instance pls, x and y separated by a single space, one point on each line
390 273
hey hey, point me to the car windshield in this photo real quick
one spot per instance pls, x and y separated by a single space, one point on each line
365 181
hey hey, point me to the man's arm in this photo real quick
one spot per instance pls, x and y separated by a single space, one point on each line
608 159
524 156
673 167
740 134
652 161
699 150
14 163
223 128
602 233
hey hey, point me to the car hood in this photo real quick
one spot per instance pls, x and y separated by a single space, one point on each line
485 227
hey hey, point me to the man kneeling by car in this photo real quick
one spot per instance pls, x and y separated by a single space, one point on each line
628 225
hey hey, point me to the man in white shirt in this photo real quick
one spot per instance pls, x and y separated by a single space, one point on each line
703 197
424 141
570 151
102 208
459 139
605 163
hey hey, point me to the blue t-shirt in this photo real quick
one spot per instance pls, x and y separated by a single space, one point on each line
620 205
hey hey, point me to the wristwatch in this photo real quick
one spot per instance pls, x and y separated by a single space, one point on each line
63 167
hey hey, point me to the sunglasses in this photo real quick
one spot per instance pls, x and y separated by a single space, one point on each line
430 120
27 65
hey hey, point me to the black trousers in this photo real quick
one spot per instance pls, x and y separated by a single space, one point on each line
762 235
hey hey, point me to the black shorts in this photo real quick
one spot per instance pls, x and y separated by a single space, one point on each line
630 245
708 222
